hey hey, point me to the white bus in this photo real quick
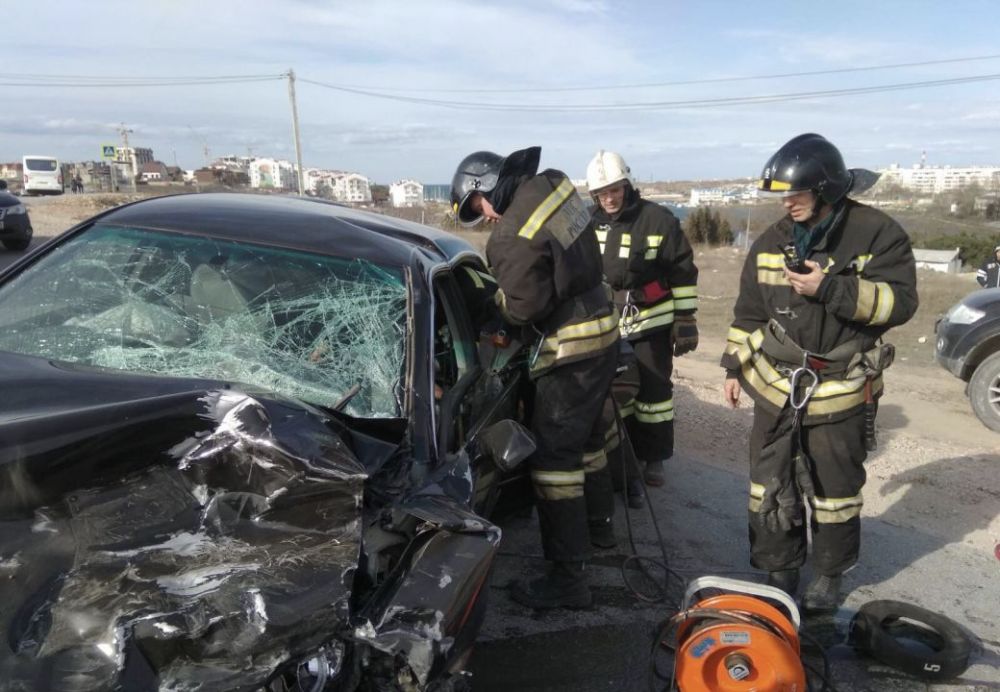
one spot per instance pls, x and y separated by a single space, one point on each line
42 175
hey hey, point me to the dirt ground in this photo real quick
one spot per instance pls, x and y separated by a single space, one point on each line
935 477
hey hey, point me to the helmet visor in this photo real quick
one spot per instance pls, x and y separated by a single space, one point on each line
771 188
467 217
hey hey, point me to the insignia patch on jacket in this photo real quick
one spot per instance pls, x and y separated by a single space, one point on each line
569 221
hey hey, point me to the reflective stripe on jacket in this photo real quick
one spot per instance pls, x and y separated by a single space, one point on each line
644 243
870 286
544 255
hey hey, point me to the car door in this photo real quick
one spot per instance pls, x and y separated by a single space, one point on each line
479 374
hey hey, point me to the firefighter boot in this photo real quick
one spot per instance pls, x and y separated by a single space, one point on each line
633 493
785 579
564 586
602 533
823 594
654 473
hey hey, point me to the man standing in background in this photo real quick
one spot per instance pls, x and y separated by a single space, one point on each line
649 263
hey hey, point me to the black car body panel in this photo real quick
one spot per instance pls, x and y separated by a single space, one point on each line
188 533
960 347
15 226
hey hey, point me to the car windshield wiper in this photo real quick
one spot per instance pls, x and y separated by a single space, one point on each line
346 399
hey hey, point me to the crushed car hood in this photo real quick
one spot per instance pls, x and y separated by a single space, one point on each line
164 529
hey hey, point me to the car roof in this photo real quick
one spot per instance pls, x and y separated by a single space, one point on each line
300 223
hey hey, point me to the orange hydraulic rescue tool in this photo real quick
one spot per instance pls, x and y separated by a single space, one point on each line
736 640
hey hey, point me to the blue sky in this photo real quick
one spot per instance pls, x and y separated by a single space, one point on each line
421 47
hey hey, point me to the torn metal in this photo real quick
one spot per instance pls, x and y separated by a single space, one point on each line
205 539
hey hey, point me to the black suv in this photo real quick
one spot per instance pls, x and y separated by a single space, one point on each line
968 346
15 227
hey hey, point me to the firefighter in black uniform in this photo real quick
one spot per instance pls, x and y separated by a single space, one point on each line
988 275
649 263
544 255
818 291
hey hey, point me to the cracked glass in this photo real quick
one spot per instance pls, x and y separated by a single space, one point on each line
308 326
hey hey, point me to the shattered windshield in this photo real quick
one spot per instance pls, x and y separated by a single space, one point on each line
302 325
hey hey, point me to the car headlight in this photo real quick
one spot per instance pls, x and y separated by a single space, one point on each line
963 314
16 209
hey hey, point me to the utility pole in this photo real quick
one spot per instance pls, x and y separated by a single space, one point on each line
746 235
295 129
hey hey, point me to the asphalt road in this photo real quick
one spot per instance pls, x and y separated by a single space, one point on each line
702 514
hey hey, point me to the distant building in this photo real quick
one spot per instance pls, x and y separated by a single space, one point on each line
11 171
272 174
353 188
219 176
932 180
944 261
342 186
406 193
135 157
154 170
232 161
719 195
741 194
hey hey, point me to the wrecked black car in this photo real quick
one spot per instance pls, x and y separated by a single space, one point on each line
248 443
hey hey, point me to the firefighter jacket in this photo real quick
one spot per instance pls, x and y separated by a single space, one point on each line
988 275
644 247
544 255
870 286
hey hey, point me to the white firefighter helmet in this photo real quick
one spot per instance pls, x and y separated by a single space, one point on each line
606 168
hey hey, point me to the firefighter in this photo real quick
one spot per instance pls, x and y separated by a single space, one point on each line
649 263
988 275
543 253
818 291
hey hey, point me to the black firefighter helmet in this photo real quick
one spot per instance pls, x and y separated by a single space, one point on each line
811 162
481 171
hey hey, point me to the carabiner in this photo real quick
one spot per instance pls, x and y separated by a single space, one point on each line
630 313
793 383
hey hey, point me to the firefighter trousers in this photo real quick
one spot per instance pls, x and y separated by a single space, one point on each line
569 470
650 417
834 456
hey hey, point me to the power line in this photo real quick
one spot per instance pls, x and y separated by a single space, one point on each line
84 81
658 105
685 82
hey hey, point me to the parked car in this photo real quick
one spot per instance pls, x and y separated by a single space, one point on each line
245 442
968 346
15 226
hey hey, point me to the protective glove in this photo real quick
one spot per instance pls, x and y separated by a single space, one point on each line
500 299
781 507
685 334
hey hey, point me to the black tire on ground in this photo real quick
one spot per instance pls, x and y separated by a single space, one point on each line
984 392
917 641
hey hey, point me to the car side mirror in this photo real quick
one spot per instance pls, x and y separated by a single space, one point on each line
3 184
507 443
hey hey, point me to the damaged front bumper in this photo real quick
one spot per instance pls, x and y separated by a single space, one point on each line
179 538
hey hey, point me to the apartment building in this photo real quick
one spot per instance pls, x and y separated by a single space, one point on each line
272 174
406 193
931 180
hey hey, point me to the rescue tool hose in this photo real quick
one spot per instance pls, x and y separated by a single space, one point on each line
629 461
